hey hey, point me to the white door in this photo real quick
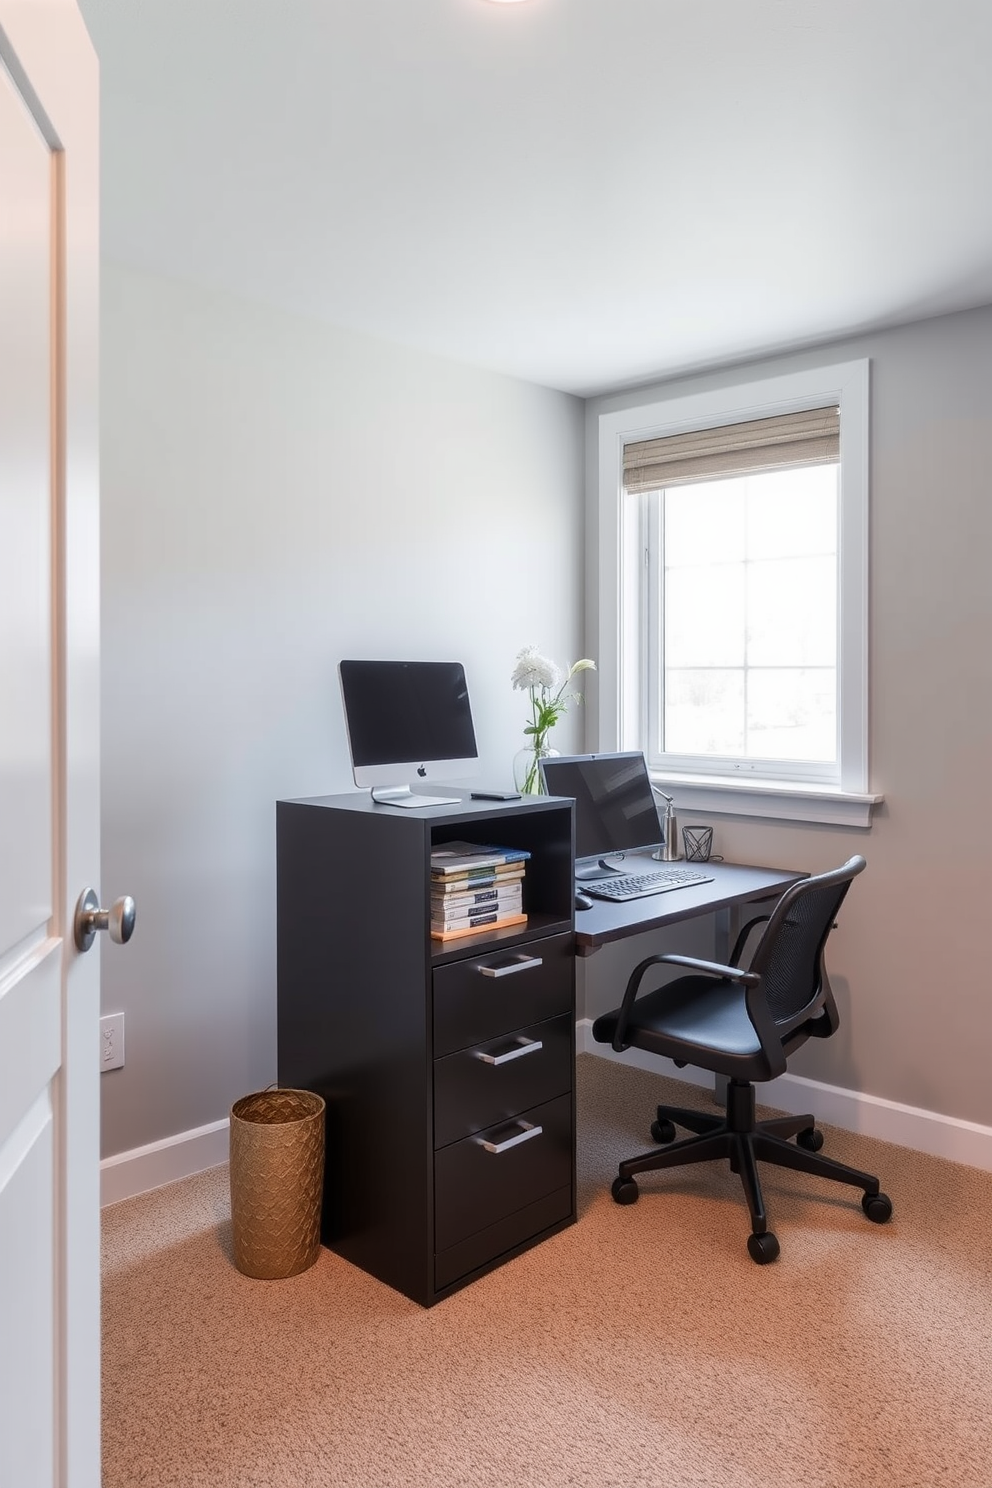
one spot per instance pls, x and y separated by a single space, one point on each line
49 748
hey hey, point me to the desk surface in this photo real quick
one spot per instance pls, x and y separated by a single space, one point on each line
733 883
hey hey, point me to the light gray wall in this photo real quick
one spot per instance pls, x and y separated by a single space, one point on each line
910 960
277 495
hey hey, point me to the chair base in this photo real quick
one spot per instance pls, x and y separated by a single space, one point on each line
745 1142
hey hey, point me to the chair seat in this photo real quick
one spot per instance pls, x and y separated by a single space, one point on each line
696 1019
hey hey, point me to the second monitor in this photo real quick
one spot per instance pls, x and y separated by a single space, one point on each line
614 806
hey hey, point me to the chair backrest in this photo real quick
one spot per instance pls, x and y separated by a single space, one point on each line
789 955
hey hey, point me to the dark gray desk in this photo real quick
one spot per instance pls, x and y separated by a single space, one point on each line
733 885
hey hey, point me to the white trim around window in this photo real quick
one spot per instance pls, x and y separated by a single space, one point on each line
621 709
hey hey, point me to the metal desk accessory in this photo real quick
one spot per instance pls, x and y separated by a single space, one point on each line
668 849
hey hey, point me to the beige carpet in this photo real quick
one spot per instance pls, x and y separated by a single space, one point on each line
640 1347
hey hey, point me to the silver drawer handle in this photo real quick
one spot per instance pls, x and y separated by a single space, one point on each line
524 1046
509 968
522 1136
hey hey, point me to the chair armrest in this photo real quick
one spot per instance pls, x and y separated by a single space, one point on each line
728 973
732 973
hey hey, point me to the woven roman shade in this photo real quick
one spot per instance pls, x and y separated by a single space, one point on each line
811 437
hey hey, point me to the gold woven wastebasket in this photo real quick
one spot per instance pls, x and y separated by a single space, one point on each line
277 1178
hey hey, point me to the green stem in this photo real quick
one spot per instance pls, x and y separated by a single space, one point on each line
538 737
544 714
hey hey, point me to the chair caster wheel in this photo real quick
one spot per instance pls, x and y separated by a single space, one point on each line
810 1138
624 1191
763 1248
663 1131
878 1207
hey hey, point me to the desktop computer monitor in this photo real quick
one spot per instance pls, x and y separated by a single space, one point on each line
615 809
407 721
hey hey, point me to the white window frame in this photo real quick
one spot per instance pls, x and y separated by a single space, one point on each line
622 619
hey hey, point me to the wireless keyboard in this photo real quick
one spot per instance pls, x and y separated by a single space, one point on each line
640 885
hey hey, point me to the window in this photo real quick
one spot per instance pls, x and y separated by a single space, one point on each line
733 590
740 540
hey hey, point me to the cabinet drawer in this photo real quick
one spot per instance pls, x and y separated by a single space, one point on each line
521 1228
475 1185
490 1082
501 991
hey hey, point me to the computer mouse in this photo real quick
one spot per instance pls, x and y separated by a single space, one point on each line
582 901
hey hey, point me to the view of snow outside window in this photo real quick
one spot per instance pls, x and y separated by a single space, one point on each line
750 578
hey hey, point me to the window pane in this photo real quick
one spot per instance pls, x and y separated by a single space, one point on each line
705 522
704 712
750 617
792 612
705 615
792 713
792 513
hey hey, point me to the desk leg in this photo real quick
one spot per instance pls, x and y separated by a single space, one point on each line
725 930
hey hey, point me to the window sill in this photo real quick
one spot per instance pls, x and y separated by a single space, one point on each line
769 799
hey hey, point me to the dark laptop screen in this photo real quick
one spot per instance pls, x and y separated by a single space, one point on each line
614 803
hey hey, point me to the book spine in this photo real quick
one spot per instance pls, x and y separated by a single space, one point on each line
442 918
467 883
480 896
467 922
477 864
477 896
494 924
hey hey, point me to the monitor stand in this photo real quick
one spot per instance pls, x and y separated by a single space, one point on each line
402 795
588 870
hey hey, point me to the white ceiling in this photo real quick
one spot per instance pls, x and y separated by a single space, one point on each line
582 193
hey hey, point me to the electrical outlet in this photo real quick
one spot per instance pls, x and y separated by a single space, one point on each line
112 1041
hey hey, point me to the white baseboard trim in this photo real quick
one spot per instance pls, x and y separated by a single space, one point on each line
870 1115
143 1168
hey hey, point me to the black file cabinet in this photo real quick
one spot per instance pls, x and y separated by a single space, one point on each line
447 1067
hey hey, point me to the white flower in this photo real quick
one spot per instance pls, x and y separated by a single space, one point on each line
534 670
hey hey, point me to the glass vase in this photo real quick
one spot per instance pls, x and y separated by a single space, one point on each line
526 773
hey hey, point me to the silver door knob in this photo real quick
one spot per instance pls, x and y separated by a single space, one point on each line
89 918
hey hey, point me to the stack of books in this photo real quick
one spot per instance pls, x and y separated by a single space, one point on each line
475 888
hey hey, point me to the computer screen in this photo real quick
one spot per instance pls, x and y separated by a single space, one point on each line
407 721
614 805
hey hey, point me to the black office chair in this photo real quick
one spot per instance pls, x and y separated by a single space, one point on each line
744 1024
